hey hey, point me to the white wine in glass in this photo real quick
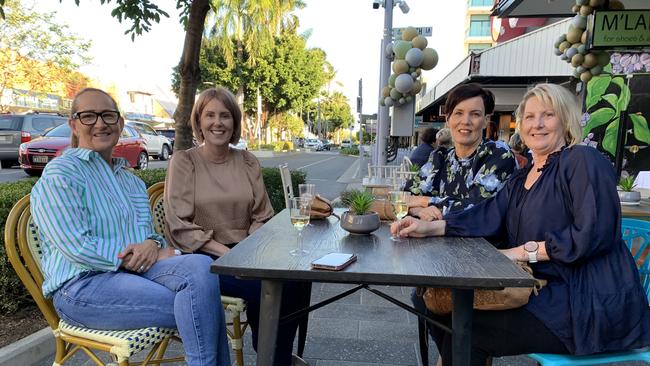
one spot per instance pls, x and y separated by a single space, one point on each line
299 208
399 201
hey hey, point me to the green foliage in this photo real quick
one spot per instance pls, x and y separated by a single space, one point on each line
350 151
607 98
36 53
336 109
627 183
13 295
414 168
359 201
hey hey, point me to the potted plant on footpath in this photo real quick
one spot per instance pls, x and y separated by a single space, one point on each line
359 219
626 192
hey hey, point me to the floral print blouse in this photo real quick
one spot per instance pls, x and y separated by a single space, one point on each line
456 184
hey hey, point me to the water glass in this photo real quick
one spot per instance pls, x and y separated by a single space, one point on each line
299 208
307 190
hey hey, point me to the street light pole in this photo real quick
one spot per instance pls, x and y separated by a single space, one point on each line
383 122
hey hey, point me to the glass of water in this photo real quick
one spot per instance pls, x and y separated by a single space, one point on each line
307 190
299 213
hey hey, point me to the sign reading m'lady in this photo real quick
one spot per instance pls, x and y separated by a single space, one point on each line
623 28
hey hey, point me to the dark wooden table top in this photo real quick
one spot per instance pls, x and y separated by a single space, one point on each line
435 262
639 211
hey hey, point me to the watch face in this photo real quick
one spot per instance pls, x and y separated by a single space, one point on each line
531 246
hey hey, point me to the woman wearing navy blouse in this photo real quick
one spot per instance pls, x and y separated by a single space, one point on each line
561 213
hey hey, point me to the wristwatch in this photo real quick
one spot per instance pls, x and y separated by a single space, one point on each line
531 247
159 243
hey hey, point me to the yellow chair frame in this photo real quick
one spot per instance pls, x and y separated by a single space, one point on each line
23 260
234 305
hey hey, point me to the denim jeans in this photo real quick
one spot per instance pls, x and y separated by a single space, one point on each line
178 292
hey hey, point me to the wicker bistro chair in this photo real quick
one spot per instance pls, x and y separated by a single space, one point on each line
287 186
234 305
22 243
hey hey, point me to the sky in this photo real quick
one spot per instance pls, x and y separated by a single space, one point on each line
349 31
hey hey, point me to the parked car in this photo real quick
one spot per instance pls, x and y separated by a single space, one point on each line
346 143
313 144
327 144
16 129
241 145
170 133
34 155
158 146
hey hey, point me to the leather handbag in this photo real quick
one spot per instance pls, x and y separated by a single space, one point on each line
438 300
321 208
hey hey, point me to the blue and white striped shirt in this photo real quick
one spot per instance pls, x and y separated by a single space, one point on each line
87 213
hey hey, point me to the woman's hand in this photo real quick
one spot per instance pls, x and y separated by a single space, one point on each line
415 228
516 254
427 213
418 201
215 248
164 253
139 257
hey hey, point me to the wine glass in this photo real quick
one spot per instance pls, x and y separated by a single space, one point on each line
399 201
307 190
299 213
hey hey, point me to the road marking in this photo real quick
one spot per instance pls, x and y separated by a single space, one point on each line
318 162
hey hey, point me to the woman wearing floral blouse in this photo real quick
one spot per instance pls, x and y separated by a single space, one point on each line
473 170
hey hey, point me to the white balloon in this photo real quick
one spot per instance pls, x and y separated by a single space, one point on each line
389 50
388 102
414 57
404 83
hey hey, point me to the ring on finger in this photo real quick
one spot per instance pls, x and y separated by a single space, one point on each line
141 269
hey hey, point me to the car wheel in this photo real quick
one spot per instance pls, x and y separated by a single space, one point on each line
143 161
33 172
164 154
7 163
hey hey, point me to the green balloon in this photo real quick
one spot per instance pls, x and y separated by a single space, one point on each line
400 48
395 94
391 80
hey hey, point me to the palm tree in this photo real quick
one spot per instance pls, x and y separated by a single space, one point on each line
249 25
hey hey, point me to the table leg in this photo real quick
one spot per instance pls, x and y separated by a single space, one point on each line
461 325
271 299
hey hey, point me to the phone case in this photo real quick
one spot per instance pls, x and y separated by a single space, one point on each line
334 261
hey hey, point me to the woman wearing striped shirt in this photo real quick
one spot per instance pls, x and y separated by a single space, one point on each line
104 266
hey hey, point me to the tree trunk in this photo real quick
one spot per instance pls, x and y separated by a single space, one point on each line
190 73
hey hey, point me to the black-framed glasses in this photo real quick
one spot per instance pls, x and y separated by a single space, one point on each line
89 118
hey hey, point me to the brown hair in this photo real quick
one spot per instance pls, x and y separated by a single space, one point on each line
74 140
468 91
228 99
564 104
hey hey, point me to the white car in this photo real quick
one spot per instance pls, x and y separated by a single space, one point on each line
158 145
241 145
346 143
313 144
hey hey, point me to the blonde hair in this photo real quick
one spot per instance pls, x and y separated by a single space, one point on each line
228 99
564 104
74 108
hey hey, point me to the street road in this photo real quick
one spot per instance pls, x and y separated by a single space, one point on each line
323 169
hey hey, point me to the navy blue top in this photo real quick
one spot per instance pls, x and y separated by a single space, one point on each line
594 301
420 155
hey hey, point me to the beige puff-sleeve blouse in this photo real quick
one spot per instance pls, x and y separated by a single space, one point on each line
206 200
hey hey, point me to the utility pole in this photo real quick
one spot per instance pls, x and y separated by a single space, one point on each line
318 132
360 112
383 121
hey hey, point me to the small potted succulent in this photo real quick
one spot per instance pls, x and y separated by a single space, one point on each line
626 192
359 219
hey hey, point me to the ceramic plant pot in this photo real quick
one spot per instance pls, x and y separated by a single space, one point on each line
629 197
360 224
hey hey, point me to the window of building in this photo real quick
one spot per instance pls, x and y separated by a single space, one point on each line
481 2
477 47
479 26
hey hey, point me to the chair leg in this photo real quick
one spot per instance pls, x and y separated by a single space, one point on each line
60 351
304 321
237 339
423 341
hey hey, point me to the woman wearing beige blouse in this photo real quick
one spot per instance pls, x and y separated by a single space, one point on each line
215 197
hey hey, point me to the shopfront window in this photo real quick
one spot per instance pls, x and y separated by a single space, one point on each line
477 47
479 26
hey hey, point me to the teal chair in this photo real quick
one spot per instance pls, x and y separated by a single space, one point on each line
636 234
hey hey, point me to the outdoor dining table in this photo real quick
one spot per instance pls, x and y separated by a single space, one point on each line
462 264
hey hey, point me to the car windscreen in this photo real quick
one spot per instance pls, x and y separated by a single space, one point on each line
59 131
10 123
167 133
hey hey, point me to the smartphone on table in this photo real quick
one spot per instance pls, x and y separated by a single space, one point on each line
334 261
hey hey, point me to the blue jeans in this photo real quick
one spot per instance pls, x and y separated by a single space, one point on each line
178 292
